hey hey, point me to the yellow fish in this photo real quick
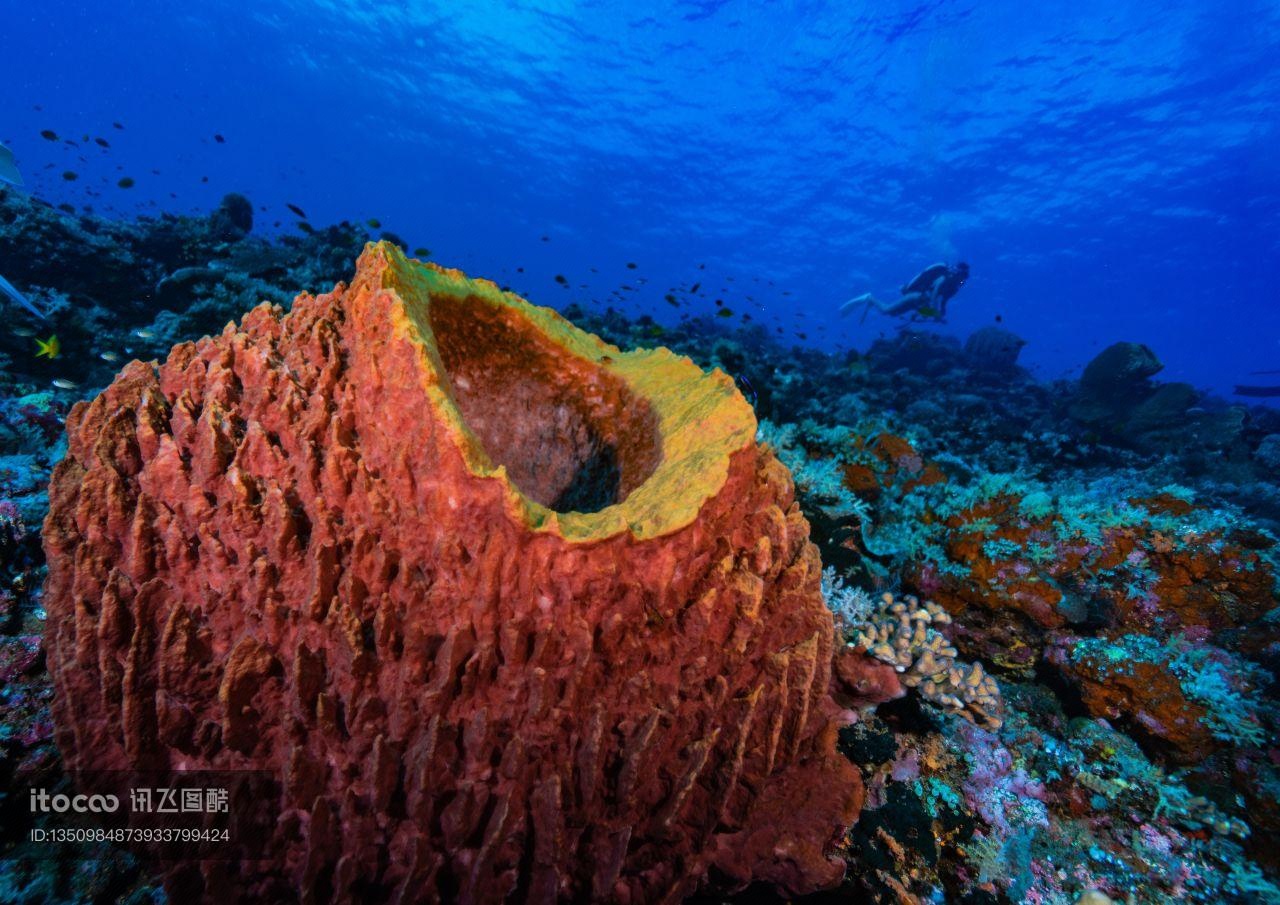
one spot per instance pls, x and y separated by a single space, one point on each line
48 348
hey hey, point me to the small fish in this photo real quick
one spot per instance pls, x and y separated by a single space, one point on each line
63 384
926 311
694 288
144 334
671 299
101 142
999 319
631 265
49 135
725 312
117 125
374 223
560 278
426 253
219 139
48 348
109 356
304 226
126 183
25 332
70 175
297 210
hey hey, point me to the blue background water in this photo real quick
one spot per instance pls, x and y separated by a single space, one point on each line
1110 171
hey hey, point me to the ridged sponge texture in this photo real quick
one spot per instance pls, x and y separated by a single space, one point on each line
512 615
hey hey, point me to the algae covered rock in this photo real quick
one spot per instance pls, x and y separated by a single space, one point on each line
232 220
510 613
993 349
1120 369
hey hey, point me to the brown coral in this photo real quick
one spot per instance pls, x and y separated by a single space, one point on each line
511 614
1146 698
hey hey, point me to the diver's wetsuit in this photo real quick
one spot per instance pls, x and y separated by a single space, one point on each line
932 288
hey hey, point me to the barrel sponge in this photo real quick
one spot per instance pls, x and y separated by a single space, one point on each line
512 614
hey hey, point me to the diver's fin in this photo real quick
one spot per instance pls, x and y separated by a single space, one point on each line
8 289
8 169
855 302
865 299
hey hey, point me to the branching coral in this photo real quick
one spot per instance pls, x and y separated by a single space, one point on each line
902 634
819 480
853 607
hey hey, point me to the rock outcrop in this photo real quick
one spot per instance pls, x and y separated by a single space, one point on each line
511 614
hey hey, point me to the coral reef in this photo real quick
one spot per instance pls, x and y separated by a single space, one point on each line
114 289
513 613
1115 576
1069 562
902 634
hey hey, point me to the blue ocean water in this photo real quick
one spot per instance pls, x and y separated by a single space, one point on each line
1109 170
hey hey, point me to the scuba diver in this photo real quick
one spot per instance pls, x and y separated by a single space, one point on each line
924 297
